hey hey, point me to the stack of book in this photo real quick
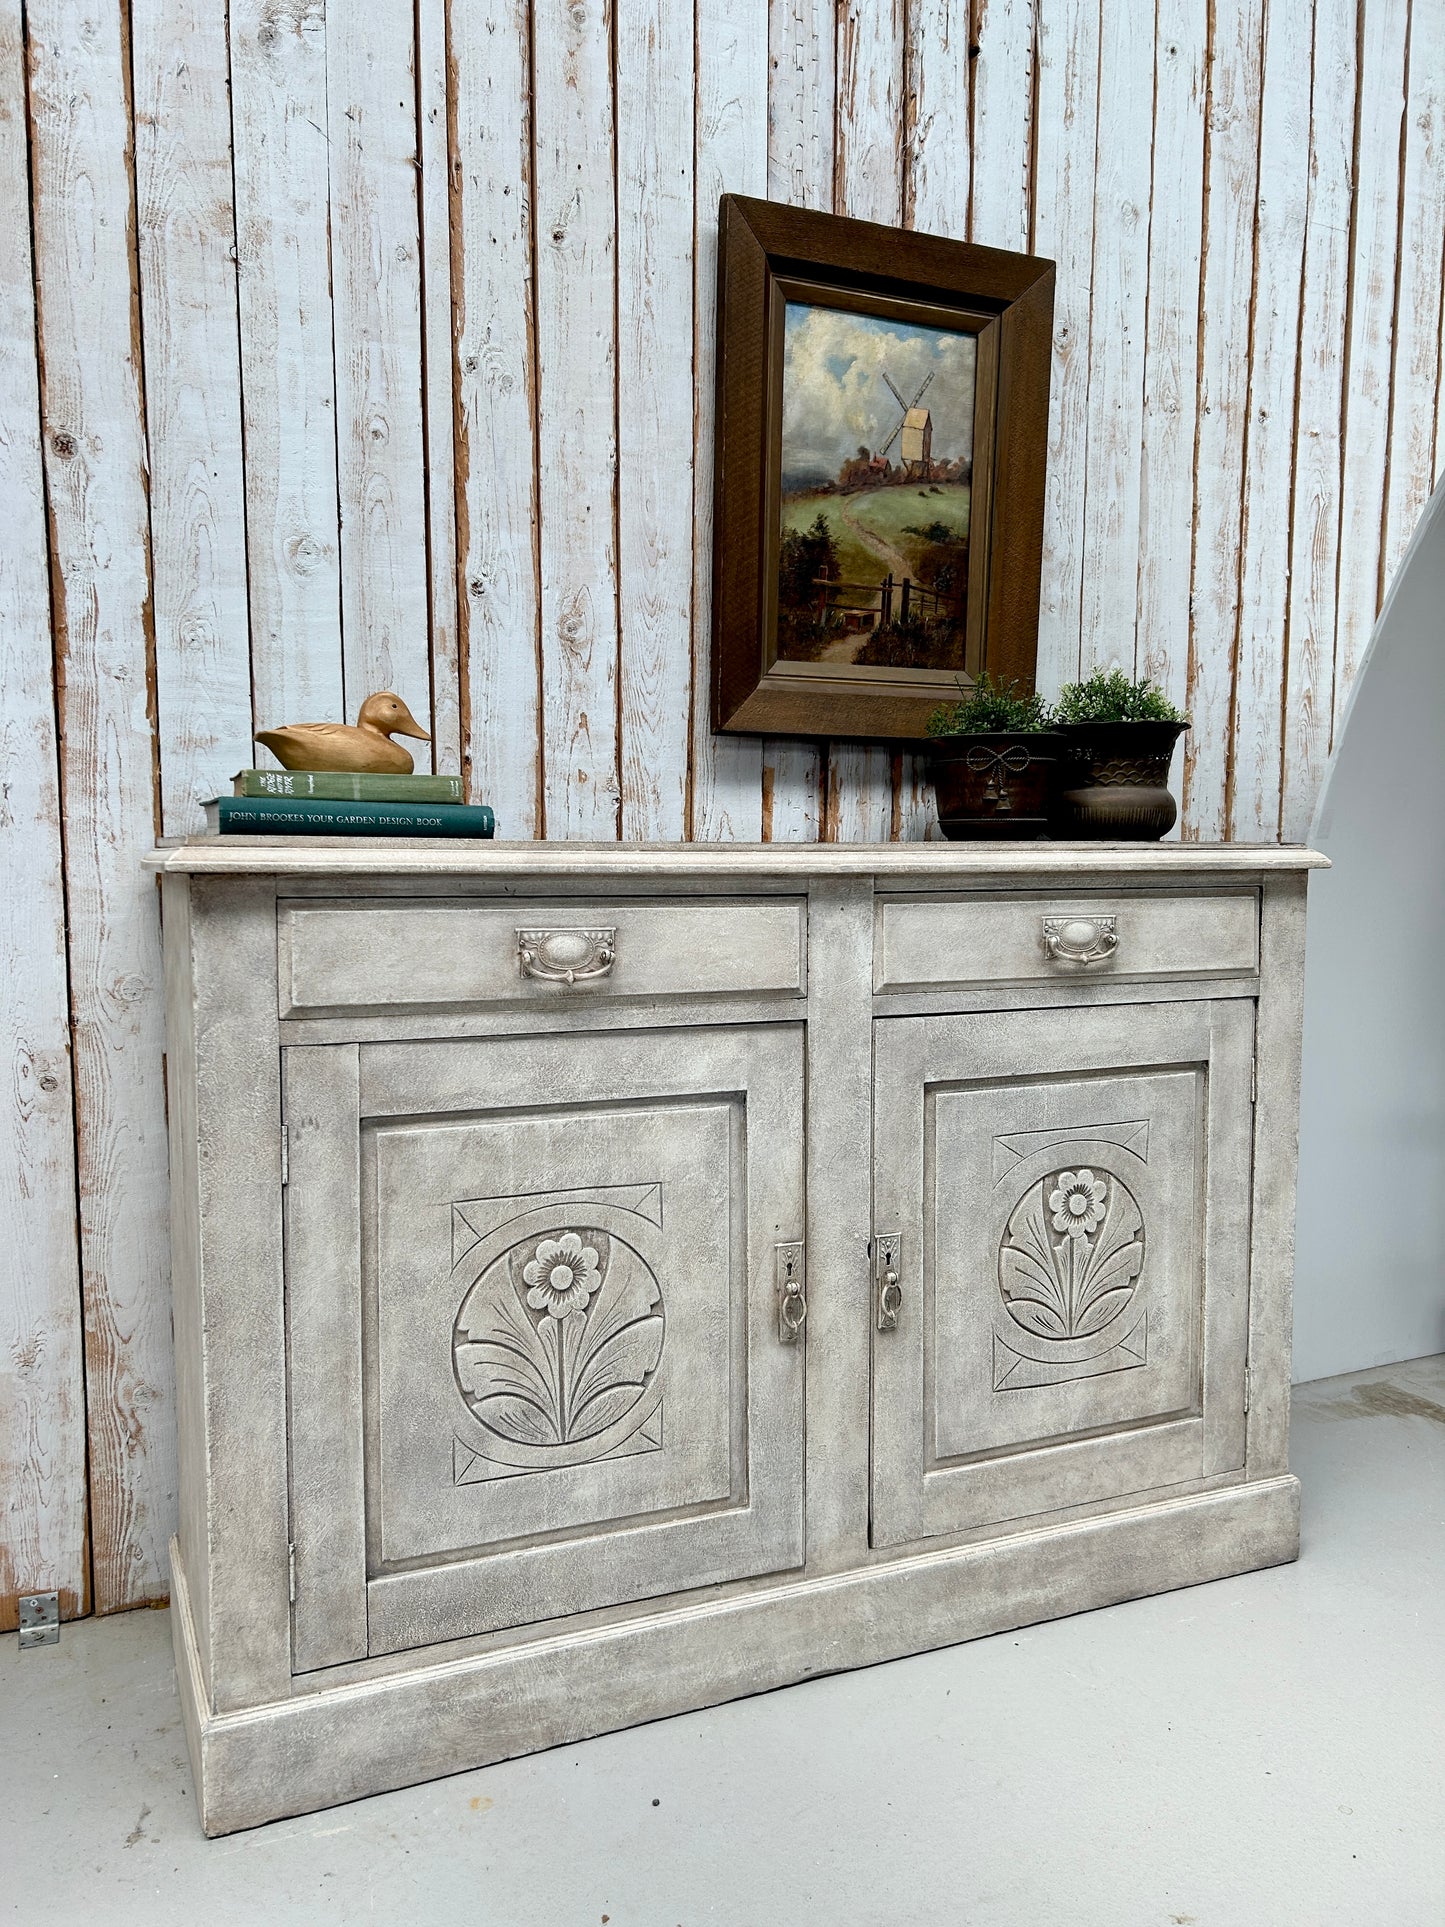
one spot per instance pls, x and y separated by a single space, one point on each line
300 802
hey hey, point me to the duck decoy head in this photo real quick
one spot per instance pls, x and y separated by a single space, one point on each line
390 716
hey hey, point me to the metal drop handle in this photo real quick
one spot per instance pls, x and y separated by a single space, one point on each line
792 1292
887 1285
1080 940
567 956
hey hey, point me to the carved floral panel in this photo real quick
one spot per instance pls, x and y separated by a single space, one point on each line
557 1345
1072 1254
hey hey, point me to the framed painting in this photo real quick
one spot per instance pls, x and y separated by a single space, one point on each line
882 419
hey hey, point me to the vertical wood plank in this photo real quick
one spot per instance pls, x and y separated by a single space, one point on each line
288 397
1001 176
96 476
42 1390
1417 339
186 235
1109 602
655 208
937 157
576 281
936 179
434 198
800 121
490 144
861 799
376 321
1375 234
730 156
1066 137
801 43
1255 780
1171 348
1226 283
1315 527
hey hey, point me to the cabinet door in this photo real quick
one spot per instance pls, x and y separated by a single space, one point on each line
536 1364
1069 1195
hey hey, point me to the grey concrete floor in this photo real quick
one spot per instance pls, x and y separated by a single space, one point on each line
1268 1751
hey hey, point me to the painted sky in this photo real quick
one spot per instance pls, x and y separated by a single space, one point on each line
835 398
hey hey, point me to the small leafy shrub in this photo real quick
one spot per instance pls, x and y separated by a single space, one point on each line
805 558
1110 697
915 644
992 706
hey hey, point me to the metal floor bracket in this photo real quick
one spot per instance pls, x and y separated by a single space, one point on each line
39 1619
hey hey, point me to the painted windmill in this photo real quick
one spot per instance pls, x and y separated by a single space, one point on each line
915 427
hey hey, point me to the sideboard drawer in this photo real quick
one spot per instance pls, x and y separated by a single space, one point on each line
922 943
348 954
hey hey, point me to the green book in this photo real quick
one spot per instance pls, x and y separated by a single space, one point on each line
313 816
348 786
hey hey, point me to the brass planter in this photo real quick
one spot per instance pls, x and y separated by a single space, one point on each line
1114 781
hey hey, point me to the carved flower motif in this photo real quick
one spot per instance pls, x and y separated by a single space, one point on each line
1078 1203
563 1275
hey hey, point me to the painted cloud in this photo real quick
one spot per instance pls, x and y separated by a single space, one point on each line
835 399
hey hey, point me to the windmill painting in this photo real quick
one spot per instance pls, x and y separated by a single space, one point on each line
877 470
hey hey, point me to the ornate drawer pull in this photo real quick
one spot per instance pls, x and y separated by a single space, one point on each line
1080 940
567 956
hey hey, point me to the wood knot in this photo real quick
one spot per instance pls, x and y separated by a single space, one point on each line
64 445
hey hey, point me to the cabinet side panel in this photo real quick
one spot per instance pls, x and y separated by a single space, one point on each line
241 1299
186 1320
1276 1155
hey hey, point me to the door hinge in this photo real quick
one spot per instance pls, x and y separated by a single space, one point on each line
1246 1388
39 1620
291 1572
1253 1081
285 1156
887 1288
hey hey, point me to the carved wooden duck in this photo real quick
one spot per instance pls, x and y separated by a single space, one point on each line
368 748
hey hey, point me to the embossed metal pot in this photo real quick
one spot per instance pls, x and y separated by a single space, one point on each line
998 783
1114 781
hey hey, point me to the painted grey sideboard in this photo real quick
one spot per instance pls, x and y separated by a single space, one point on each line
611 1279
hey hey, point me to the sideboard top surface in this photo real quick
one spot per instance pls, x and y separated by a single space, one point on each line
896 862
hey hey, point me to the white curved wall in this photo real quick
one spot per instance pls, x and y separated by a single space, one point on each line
1370 1270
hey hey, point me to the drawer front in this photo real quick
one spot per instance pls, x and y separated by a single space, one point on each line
1039 939
403 953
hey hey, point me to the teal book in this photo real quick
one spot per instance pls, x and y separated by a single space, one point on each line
348 786
314 816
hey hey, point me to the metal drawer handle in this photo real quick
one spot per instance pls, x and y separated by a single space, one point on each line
566 956
1080 940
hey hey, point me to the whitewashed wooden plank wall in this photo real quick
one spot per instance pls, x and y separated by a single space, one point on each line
376 344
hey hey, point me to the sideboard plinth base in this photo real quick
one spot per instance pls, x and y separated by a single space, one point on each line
320 1748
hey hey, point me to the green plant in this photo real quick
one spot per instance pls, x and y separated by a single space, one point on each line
915 644
992 707
805 558
1110 697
